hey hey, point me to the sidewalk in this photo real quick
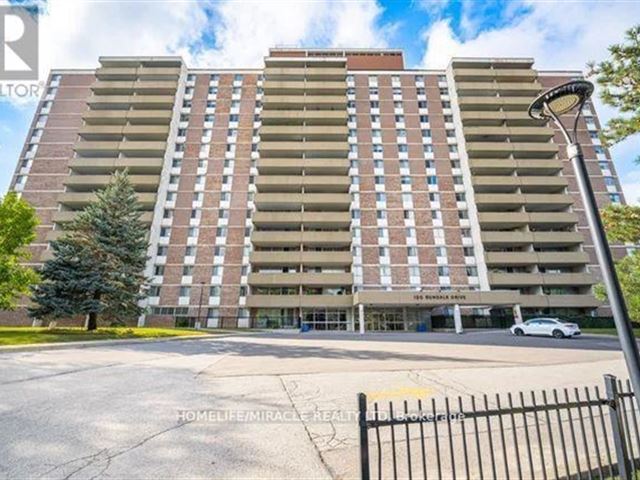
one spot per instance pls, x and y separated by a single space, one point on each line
100 343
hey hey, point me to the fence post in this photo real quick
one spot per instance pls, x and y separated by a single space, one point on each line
364 437
617 428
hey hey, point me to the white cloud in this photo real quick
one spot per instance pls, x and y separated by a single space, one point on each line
227 34
74 34
631 187
558 35
244 31
219 34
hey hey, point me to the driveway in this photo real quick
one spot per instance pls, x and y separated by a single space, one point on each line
252 406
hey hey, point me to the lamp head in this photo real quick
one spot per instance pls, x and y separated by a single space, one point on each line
561 99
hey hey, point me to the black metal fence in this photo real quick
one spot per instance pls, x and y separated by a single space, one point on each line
568 433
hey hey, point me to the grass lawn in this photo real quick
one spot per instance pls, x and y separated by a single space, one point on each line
30 335
608 331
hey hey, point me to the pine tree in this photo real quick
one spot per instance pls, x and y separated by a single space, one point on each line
98 266
73 283
121 244
619 81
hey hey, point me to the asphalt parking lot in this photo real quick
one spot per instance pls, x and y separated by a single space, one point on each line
178 409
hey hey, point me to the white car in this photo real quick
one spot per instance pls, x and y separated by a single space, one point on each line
546 326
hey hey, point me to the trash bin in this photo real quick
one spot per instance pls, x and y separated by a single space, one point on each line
421 327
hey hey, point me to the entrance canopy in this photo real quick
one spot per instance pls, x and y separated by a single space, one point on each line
493 298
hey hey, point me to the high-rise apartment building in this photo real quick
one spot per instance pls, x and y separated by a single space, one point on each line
334 188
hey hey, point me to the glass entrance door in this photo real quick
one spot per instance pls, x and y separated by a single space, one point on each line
384 320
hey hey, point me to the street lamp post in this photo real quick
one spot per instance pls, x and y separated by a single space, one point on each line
551 105
199 324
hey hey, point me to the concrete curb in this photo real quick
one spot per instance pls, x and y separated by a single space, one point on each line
101 343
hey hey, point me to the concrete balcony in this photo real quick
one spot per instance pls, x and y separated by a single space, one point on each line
540 202
296 301
498 201
102 87
562 258
295 219
311 201
92 165
80 183
158 73
67 216
294 279
133 67
498 118
112 149
317 132
567 279
329 259
557 239
505 149
533 202
506 238
547 239
152 101
121 117
526 89
490 183
494 103
276 238
499 74
307 117
490 166
295 166
131 132
536 258
298 73
136 101
515 134
552 219
326 201
77 200
284 102
315 149
299 87
310 183
539 279
98 149
275 258
132 148
117 73
493 220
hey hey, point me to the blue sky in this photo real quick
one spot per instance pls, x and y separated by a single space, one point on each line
238 33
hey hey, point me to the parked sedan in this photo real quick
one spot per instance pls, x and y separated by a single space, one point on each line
546 326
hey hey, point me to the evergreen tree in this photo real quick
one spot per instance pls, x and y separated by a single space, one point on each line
17 230
619 81
73 282
98 266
